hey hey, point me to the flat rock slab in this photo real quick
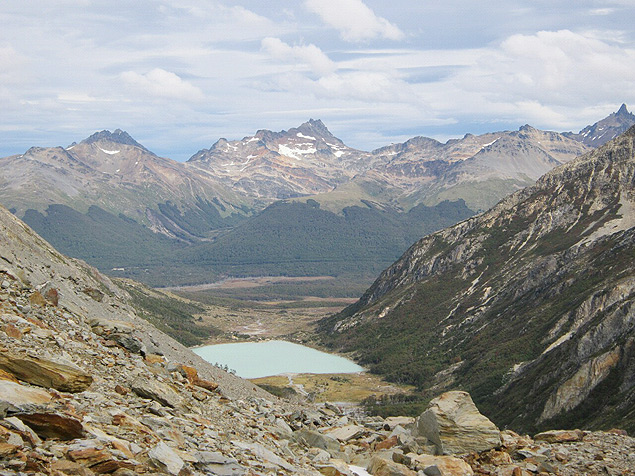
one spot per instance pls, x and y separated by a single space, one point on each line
560 436
156 391
315 439
346 433
46 373
391 422
166 459
21 398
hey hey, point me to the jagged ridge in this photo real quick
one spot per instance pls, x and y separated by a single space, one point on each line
505 304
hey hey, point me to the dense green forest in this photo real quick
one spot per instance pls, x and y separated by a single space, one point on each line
286 239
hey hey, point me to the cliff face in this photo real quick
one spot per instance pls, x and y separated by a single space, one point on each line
527 306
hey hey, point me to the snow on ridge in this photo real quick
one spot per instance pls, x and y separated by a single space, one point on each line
109 152
69 148
338 153
299 134
251 139
295 153
489 143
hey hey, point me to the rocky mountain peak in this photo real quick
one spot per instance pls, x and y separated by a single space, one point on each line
117 137
606 129
316 127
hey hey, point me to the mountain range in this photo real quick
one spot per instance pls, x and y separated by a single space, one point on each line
88 386
528 306
270 203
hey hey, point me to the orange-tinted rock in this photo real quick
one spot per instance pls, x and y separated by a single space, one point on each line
560 436
7 449
121 390
387 443
12 331
52 296
7 376
45 373
497 458
70 468
189 373
53 425
206 384
154 359
444 465
37 299
21 397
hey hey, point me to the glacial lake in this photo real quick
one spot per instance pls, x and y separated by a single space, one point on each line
274 357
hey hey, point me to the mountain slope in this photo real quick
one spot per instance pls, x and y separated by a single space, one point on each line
117 174
301 239
528 306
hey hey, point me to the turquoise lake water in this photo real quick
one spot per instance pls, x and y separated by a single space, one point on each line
274 357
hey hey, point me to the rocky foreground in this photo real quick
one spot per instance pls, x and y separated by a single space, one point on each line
86 387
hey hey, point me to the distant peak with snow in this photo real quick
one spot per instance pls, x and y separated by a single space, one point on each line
606 129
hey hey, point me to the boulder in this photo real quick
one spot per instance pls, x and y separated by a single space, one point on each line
156 391
317 440
46 373
441 465
382 467
454 425
560 436
346 433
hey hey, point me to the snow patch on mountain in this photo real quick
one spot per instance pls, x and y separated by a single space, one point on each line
109 152
294 152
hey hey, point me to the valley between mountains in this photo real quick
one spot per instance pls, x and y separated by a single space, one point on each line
515 300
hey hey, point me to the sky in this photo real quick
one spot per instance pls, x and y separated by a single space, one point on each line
179 75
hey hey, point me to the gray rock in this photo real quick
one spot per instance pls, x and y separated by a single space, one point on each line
15 397
156 391
317 440
166 459
129 342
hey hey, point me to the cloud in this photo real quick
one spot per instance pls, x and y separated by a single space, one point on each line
547 79
354 20
310 55
161 83
557 66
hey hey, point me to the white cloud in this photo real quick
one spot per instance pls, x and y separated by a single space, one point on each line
354 19
310 55
555 66
546 79
162 83
601 11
